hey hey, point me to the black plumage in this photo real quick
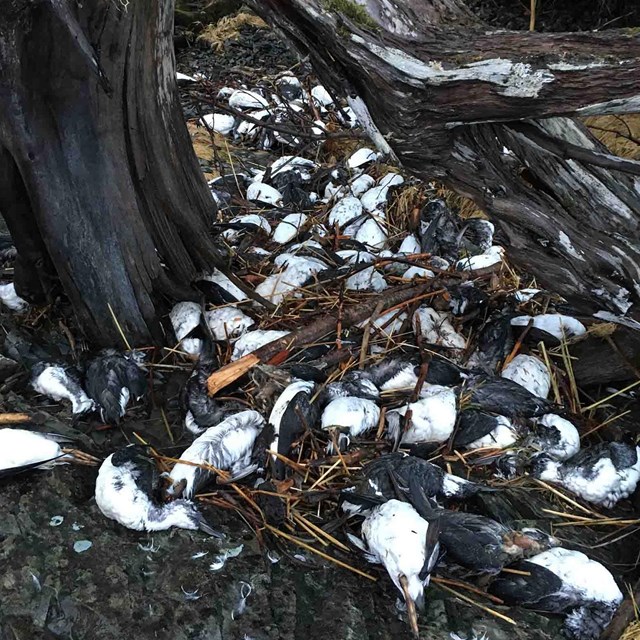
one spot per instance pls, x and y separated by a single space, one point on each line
111 380
539 590
478 235
466 299
439 371
477 542
503 396
393 476
473 425
147 476
203 411
441 237
299 415
494 344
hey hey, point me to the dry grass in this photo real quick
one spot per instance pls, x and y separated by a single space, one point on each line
632 632
620 133
228 28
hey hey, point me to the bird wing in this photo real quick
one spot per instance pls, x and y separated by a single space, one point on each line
532 589
473 425
12 471
431 549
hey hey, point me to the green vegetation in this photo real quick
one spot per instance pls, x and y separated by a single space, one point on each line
352 10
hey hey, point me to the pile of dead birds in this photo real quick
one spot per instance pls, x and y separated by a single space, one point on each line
374 436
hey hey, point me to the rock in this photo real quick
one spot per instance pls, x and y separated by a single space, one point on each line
7 367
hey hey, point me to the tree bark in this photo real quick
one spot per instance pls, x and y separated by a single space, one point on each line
446 96
107 192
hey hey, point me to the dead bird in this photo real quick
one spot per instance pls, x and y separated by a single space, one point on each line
201 410
292 413
477 542
225 447
383 478
127 491
477 429
432 417
396 536
22 450
112 379
441 237
354 383
403 373
60 381
601 474
466 299
495 342
563 581
503 396
555 436
529 372
349 416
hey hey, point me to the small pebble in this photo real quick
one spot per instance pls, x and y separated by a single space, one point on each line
82 545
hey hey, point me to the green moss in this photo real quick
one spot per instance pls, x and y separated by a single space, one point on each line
352 10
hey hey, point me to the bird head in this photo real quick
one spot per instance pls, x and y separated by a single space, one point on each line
533 541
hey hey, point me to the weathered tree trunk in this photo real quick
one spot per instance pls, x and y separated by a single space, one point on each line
454 101
100 185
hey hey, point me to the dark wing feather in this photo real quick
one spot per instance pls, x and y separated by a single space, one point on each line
473 425
503 396
12 471
532 590
623 455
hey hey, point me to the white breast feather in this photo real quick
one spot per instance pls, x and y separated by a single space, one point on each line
583 576
20 447
503 436
433 417
226 446
128 505
396 534
530 373
357 414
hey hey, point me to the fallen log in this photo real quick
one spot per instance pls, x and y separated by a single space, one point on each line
447 96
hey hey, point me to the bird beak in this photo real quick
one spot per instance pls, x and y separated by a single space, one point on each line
411 606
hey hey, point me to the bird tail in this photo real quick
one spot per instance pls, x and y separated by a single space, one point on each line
42 464
456 487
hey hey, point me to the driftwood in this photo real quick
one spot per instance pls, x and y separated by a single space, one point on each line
447 96
99 184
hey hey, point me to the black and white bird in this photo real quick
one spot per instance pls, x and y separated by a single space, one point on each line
480 543
383 478
112 380
21 450
61 382
292 413
555 436
201 410
601 474
495 341
397 374
563 581
504 397
127 491
529 372
350 417
225 447
353 384
431 418
479 429
397 536
441 236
